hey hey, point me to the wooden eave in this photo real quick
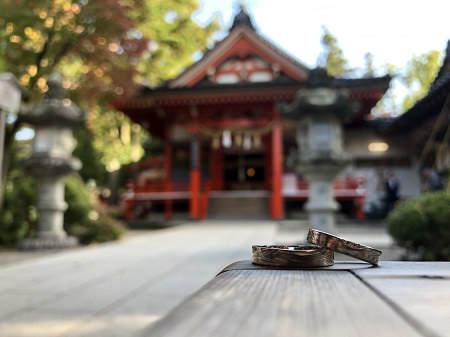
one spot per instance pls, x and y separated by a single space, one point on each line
370 89
209 96
156 108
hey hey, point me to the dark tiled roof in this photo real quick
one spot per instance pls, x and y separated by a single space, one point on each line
430 105
242 18
445 68
145 91
363 83
382 124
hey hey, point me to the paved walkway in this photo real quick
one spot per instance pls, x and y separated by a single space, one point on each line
119 289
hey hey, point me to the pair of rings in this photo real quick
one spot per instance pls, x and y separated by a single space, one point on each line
319 254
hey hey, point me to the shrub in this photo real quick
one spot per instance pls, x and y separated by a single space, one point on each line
82 220
103 229
79 201
422 225
18 216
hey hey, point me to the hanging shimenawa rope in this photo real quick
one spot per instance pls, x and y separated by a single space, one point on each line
204 130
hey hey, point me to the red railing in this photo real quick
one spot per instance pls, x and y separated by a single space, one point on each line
151 191
140 195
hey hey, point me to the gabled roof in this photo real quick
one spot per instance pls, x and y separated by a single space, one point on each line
242 41
197 86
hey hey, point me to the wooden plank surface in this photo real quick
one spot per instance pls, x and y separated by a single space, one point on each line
420 291
272 303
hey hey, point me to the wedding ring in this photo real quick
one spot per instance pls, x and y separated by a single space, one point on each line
301 256
343 246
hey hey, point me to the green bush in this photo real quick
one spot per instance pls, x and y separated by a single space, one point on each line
78 199
82 220
18 216
422 226
103 229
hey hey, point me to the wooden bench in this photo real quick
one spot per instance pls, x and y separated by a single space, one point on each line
348 299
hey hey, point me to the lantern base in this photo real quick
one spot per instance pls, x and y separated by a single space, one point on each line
38 243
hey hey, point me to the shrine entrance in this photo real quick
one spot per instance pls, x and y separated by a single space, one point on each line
224 135
244 171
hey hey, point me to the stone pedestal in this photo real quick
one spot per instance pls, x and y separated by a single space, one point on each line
321 205
50 173
51 207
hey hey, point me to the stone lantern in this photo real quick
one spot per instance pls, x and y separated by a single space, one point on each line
51 160
320 111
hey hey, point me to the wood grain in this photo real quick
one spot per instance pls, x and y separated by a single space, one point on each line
420 291
284 303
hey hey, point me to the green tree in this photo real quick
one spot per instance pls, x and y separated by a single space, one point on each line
89 38
332 57
173 38
86 39
92 168
101 47
418 76
416 79
116 138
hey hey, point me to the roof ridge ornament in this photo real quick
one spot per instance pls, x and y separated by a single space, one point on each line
242 18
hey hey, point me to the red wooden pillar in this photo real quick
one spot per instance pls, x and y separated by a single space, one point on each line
195 177
358 212
217 169
277 172
168 210
267 140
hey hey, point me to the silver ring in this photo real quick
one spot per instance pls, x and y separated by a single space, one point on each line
301 256
353 249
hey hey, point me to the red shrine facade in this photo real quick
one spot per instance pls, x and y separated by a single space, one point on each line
225 143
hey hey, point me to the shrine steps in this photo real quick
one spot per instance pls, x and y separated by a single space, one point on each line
238 205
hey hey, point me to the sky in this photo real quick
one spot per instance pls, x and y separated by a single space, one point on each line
391 30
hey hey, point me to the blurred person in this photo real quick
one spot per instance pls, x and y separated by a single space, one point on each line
432 180
391 191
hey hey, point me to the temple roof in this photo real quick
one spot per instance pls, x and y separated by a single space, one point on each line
243 70
242 42
380 83
429 106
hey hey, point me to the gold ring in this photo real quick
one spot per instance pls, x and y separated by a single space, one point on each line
353 249
301 256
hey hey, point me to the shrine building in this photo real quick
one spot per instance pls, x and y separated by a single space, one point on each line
226 144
